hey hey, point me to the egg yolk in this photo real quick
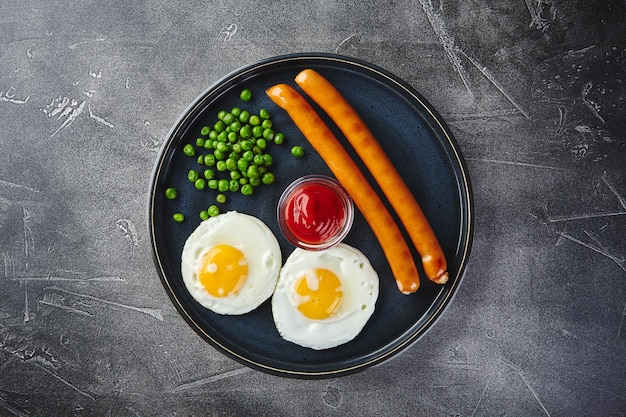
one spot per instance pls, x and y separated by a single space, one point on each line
320 292
223 270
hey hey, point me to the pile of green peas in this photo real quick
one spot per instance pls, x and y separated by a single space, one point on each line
232 154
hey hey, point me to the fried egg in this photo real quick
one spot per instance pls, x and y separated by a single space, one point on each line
230 263
324 298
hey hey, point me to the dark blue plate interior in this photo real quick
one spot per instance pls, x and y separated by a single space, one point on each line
418 143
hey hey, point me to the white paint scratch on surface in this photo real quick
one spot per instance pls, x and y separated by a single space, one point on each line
71 114
29 238
492 79
535 8
210 379
582 216
619 260
64 381
621 323
9 97
94 74
532 391
98 119
227 32
593 107
458 117
54 278
343 42
19 186
76 45
9 267
619 197
514 163
153 312
150 144
12 410
26 306
482 395
129 230
56 300
447 41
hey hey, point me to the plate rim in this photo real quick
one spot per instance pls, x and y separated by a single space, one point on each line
465 237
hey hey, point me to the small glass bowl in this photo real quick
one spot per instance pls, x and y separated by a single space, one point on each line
330 184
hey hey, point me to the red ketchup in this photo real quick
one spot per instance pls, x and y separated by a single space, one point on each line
315 212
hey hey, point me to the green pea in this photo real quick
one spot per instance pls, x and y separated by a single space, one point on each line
242 164
220 198
208 144
222 185
233 185
261 143
258 160
204 215
228 118
279 138
209 160
268 161
170 193
237 147
209 174
297 151
235 174
247 145
243 180
247 189
192 175
213 134
257 131
219 155
252 171
266 124
205 130
189 150
244 116
178 217
212 184
200 159
254 120
255 182
236 111
200 142
264 113
213 210
245 95
268 178
221 114
231 164
232 137
200 183
221 137
248 156
245 132
269 134
262 170
220 126
235 126
220 165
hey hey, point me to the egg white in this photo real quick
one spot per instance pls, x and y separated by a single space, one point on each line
359 284
257 243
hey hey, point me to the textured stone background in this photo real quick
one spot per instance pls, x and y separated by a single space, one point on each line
535 93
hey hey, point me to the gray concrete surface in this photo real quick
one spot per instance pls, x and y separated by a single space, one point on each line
535 93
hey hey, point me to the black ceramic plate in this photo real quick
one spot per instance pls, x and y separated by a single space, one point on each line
417 142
